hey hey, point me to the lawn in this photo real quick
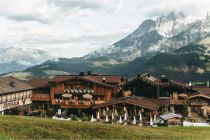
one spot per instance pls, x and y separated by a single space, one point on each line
20 127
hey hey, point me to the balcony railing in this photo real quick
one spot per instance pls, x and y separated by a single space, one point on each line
41 97
75 104
199 103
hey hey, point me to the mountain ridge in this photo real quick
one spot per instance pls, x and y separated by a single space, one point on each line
164 46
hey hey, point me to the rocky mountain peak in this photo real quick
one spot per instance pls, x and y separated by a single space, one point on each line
146 26
169 25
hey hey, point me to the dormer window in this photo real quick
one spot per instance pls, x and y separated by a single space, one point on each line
12 84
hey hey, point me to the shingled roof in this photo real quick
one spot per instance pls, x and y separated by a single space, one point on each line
60 78
110 80
199 95
170 116
137 101
12 85
157 81
202 89
39 82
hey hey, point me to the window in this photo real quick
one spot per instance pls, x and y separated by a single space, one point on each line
57 96
164 94
0 100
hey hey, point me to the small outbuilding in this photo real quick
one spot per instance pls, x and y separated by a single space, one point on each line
171 119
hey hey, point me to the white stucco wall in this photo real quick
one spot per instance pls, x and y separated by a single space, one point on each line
15 99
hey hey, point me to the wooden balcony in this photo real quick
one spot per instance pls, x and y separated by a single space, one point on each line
40 97
199 103
76 104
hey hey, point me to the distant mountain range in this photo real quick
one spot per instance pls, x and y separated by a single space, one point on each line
173 45
14 58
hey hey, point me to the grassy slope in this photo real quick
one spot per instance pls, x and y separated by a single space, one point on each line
28 127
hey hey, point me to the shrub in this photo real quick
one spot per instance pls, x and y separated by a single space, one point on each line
85 119
74 118
50 113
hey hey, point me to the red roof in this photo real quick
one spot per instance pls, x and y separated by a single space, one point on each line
39 82
157 81
60 78
202 89
110 80
199 95
12 85
153 80
91 79
152 104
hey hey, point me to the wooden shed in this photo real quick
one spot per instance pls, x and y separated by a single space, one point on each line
171 119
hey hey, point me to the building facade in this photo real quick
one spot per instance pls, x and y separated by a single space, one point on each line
162 88
14 94
41 94
130 110
200 102
80 92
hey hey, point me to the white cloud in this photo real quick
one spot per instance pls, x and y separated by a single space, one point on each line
155 8
69 28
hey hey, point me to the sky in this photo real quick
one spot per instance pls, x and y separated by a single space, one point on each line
73 28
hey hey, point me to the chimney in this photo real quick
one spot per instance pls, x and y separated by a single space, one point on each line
139 76
82 74
122 79
12 84
89 73
104 80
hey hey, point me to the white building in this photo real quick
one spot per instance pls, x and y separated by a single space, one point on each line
14 93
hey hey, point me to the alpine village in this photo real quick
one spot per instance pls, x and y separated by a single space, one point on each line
145 100
105 69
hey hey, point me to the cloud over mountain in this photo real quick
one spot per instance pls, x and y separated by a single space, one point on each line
69 28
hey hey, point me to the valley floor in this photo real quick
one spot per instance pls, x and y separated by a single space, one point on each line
20 127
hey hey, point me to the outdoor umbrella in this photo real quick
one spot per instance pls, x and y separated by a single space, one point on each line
67 95
87 96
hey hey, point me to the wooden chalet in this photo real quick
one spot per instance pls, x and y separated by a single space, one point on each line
131 109
200 101
82 91
41 94
149 86
14 94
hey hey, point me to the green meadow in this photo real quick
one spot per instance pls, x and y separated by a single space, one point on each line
21 127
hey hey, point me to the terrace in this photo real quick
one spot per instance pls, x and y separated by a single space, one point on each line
76 98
